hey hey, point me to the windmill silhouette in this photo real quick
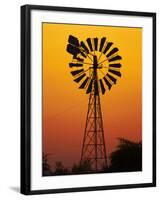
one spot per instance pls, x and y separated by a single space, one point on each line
95 65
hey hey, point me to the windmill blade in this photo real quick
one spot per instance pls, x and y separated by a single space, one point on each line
72 50
107 83
84 83
96 87
77 80
95 44
89 89
115 58
102 43
108 46
117 73
84 47
116 65
76 72
111 78
89 43
73 40
75 65
78 58
114 50
102 86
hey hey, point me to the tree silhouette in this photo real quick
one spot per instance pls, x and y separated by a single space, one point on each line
60 169
82 167
46 170
127 157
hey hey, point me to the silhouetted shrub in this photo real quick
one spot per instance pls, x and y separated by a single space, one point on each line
127 157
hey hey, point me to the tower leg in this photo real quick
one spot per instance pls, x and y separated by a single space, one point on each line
93 148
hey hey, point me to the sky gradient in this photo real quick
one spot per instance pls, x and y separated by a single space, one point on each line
65 106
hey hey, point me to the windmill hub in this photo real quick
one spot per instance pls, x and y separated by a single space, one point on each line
95 62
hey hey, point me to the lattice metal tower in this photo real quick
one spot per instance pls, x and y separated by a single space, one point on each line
93 147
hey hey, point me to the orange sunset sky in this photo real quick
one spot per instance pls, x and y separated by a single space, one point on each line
65 106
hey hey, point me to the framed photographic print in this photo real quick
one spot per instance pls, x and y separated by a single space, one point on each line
88 99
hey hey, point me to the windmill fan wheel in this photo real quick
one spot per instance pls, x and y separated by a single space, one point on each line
94 62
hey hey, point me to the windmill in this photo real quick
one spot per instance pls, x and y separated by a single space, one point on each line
95 66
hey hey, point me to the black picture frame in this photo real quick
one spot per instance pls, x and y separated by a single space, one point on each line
26 97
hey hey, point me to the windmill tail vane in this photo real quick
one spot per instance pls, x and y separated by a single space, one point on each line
95 66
